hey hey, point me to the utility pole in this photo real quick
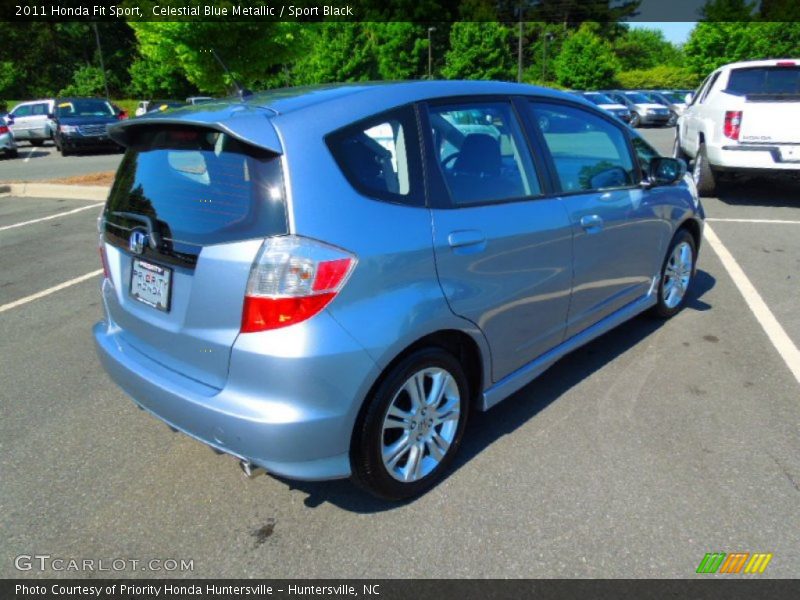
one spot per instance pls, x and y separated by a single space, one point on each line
519 45
545 36
100 52
430 52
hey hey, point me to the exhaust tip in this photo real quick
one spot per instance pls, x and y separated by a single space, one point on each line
250 470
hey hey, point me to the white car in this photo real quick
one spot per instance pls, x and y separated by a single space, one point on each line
745 117
32 121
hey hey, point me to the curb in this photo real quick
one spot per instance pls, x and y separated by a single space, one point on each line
55 190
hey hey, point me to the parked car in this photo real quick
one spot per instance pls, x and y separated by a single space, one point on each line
8 147
661 99
643 110
620 111
32 121
82 123
296 338
744 118
146 106
199 99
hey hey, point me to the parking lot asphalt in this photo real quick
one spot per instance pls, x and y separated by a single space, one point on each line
632 457
44 162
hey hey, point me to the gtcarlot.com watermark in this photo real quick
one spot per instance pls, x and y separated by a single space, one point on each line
46 562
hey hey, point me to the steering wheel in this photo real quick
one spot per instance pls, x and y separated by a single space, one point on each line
450 159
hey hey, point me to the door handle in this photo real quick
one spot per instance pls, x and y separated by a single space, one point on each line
592 223
467 240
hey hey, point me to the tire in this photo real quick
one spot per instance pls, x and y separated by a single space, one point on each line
12 153
673 120
677 275
677 151
64 151
392 475
37 143
636 120
704 177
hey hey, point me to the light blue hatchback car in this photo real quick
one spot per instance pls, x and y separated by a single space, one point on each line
324 282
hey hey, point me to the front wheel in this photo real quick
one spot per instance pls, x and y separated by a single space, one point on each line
412 426
636 120
677 274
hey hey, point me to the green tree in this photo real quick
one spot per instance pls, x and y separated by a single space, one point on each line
255 52
336 52
713 44
479 50
660 77
87 80
644 49
586 61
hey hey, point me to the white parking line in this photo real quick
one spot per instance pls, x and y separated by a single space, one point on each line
30 153
56 216
777 335
768 221
49 291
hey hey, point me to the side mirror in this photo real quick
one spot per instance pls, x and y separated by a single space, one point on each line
688 98
666 171
51 116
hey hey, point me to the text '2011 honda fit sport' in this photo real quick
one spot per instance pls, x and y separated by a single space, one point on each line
325 282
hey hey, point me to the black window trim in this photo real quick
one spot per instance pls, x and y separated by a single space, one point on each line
621 127
436 189
416 197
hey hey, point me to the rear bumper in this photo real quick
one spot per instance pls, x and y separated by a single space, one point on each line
293 416
752 157
7 143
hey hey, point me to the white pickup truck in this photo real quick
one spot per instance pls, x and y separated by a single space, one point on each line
745 117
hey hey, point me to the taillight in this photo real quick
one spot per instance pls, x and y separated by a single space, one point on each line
785 63
733 123
3 129
101 248
291 280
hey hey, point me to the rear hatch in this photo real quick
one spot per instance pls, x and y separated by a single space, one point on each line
183 223
770 103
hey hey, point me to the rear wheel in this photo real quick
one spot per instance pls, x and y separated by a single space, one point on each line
677 274
704 177
412 426
12 153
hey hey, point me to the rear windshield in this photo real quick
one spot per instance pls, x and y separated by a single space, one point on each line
85 108
765 80
637 98
192 188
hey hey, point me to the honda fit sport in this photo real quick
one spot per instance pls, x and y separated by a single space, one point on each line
325 282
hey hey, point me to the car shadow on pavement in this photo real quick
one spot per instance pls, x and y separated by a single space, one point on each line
485 428
26 153
760 191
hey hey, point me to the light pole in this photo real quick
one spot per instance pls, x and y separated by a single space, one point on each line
519 46
547 36
430 53
100 52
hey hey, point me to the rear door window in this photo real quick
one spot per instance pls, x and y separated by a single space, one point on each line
189 187
588 151
380 157
482 153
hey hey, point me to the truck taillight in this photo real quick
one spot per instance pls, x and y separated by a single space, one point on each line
291 280
3 129
733 124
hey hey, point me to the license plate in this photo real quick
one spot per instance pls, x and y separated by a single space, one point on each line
790 153
151 284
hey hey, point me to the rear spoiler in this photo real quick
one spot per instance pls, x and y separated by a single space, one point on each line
248 125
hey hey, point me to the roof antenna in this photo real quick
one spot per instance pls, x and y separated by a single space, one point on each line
242 92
